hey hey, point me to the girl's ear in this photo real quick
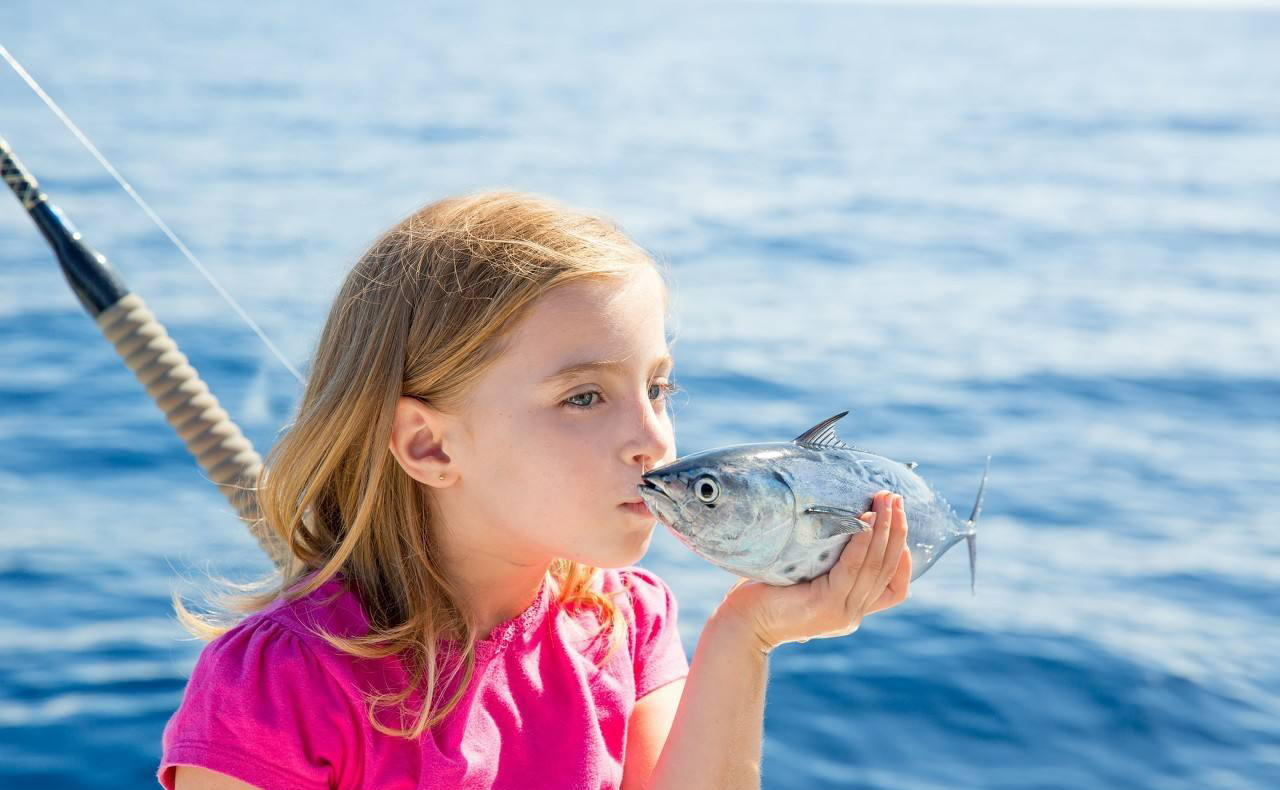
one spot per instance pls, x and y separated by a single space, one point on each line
417 442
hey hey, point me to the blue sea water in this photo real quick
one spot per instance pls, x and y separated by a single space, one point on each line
1048 234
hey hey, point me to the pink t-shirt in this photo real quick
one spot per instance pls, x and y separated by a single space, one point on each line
276 706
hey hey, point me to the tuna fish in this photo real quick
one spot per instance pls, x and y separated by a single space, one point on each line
780 512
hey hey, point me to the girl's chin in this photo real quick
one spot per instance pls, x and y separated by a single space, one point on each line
630 549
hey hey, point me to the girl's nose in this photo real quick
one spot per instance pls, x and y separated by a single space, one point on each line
655 441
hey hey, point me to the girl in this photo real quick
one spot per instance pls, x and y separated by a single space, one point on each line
458 490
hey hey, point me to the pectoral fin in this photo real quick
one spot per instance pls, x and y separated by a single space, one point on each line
833 521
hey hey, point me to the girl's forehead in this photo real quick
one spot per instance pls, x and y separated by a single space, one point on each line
606 318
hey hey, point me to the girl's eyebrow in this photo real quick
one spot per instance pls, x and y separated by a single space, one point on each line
615 366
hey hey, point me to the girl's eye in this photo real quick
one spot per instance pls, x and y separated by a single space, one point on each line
570 400
665 389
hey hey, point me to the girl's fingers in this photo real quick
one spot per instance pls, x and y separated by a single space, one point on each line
892 551
842 576
875 559
899 585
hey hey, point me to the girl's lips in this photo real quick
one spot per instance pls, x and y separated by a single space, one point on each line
639 508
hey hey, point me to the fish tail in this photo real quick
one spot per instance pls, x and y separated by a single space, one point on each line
972 539
971 536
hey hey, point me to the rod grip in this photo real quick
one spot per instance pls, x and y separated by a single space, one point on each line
225 454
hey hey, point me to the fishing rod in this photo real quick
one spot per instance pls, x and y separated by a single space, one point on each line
216 442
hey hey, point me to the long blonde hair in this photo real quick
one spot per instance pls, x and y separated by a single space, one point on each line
423 313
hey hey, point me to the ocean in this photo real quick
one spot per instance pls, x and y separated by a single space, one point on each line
1047 234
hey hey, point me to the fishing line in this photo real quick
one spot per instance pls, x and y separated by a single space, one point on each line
164 228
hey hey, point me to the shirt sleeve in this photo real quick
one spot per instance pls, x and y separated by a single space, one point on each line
261 707
657 653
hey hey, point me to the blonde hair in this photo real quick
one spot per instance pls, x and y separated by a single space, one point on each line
423 313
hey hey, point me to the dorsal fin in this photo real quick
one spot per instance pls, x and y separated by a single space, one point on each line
824 435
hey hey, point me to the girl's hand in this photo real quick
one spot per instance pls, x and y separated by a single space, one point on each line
873 573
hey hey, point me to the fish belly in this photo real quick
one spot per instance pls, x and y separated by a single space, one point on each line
801 562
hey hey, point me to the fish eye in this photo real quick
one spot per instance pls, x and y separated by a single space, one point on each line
706 489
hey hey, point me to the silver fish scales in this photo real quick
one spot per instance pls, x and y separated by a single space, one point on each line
781 512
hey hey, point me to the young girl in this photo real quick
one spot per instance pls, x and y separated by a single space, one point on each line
459 493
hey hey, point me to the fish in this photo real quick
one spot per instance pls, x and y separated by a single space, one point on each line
781 512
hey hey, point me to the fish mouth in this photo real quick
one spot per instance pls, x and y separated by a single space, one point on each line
649 488
654 494
661 504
